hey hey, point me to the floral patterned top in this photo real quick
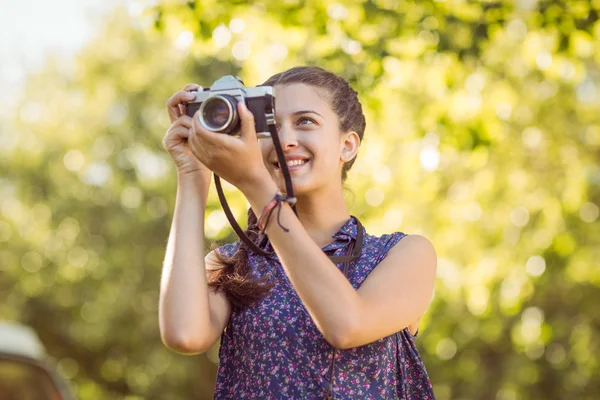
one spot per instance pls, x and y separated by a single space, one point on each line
273 350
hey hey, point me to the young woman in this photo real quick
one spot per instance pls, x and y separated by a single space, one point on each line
295 324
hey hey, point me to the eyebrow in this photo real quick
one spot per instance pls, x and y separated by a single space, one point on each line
307 112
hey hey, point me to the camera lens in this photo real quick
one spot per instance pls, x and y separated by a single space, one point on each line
219 113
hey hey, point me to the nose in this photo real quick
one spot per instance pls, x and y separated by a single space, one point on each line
287 137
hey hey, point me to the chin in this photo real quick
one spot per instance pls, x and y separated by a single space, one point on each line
300 186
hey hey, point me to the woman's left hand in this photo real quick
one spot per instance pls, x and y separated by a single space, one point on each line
238 160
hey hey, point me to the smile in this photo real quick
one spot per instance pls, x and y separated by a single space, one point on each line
293 165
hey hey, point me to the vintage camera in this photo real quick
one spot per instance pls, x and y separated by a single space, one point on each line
217 106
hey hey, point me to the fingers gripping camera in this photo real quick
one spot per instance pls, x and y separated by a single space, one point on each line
217 106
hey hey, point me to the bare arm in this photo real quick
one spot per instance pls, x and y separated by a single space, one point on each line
191 316
394 296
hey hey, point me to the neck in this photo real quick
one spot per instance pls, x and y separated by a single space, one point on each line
322 214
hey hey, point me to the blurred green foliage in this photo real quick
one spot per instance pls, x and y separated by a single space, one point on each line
482 134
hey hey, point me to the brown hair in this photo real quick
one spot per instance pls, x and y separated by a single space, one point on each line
235 277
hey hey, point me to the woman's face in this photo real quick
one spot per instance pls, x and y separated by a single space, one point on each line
309 134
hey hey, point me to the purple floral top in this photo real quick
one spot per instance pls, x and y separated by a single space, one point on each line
273 350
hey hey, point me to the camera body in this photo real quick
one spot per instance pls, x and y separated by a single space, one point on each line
217 106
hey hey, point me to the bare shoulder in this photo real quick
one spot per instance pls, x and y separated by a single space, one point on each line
416 250
401 287
418 243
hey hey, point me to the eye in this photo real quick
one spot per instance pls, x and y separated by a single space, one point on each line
302 121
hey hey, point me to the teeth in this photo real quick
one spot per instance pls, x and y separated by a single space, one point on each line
292 163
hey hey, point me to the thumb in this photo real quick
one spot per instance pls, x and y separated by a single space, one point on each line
248 132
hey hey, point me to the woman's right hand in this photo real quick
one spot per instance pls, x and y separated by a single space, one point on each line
175 141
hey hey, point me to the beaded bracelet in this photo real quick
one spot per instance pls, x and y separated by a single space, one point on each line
265 216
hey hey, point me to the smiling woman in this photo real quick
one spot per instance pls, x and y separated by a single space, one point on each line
294 324
319 119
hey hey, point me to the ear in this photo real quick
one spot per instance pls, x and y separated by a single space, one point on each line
350 143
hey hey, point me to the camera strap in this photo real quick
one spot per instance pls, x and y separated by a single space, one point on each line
334 351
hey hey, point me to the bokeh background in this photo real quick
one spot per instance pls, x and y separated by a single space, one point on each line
483 134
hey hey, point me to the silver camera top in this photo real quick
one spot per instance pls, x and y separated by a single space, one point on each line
233 86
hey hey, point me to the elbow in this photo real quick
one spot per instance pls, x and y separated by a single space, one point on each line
342 341
184 344
343 336
181 335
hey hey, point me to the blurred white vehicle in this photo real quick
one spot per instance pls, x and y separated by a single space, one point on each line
26 372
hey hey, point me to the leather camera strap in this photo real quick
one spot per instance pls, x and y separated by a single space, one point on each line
349 257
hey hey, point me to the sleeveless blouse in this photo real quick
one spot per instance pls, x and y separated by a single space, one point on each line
273 349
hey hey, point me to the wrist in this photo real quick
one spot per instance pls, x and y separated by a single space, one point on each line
255 181
195 177
260 193
196 182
